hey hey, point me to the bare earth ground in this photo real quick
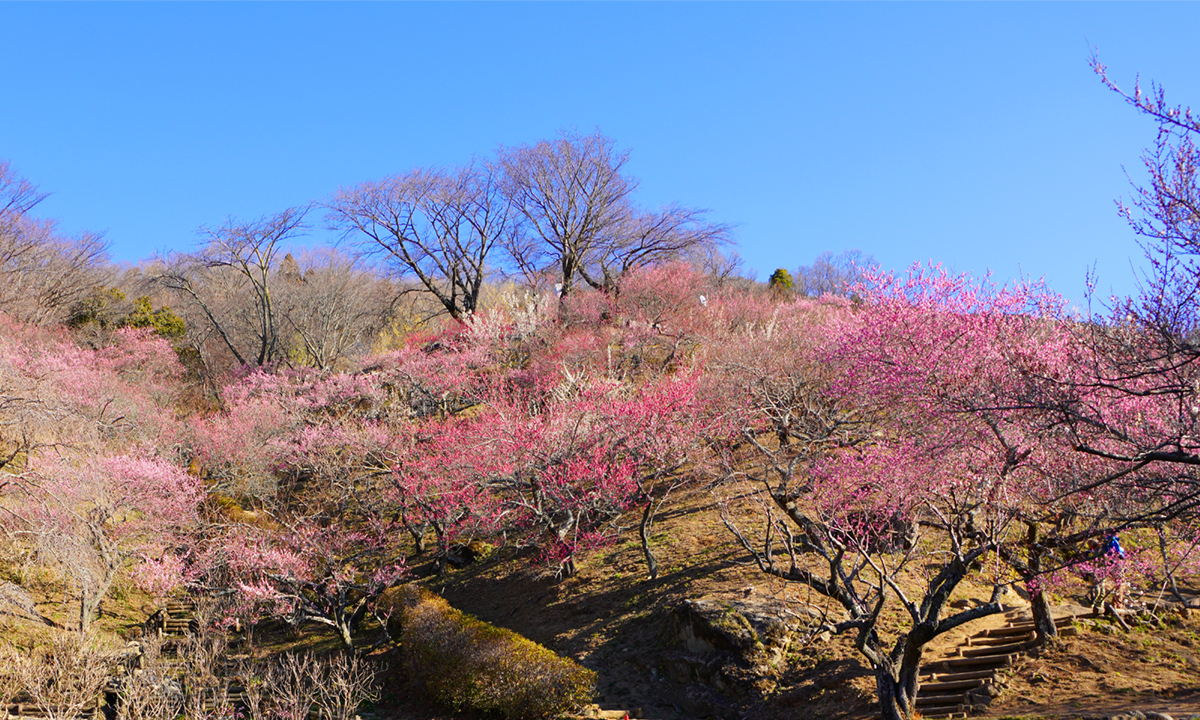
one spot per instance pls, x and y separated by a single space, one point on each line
614 620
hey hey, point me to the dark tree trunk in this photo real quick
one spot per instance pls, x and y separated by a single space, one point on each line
644 531
418 536
895 702
897 686
1038 602
343 627
1042 618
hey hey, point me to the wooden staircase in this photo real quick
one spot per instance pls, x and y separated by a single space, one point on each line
32 710
177 617
952 685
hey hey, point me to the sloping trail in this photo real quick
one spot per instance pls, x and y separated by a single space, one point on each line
963 682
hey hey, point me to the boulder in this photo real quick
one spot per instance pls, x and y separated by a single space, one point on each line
756 631
460 555
736 648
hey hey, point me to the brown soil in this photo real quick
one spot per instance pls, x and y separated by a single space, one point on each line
611 618
1106 670
614 620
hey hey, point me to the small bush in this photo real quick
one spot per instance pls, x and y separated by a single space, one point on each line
464 662
781 280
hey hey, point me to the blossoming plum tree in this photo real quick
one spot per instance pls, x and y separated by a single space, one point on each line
308 569
560 468
98 518
81 435
910 443
1141 407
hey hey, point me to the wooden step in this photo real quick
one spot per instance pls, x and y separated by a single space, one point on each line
944 685
1019 628
954 699
1030 625
950 711
987 650
954 677
1005 632
975 662
943 712
998 639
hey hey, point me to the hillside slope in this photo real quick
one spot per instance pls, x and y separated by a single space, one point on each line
615 621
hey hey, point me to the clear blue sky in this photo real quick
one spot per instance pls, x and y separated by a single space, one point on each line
970 134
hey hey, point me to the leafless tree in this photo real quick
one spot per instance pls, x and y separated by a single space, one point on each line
336 686
435 226
17 195
206 685
673 233
63 676
9 677
149 690
578 214
345 681
833 274
89 559
252 675
331 306
725 268
293 684
230 284
43 272
572 197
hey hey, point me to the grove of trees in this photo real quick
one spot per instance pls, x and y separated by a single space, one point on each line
516 354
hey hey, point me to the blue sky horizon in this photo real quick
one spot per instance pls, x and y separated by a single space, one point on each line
974 135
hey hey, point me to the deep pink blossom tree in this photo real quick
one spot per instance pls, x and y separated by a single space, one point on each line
437 482
910 442
557 464
308 569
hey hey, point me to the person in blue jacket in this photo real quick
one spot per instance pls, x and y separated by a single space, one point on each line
1114 546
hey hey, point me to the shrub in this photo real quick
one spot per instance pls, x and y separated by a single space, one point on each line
464 662
781 280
